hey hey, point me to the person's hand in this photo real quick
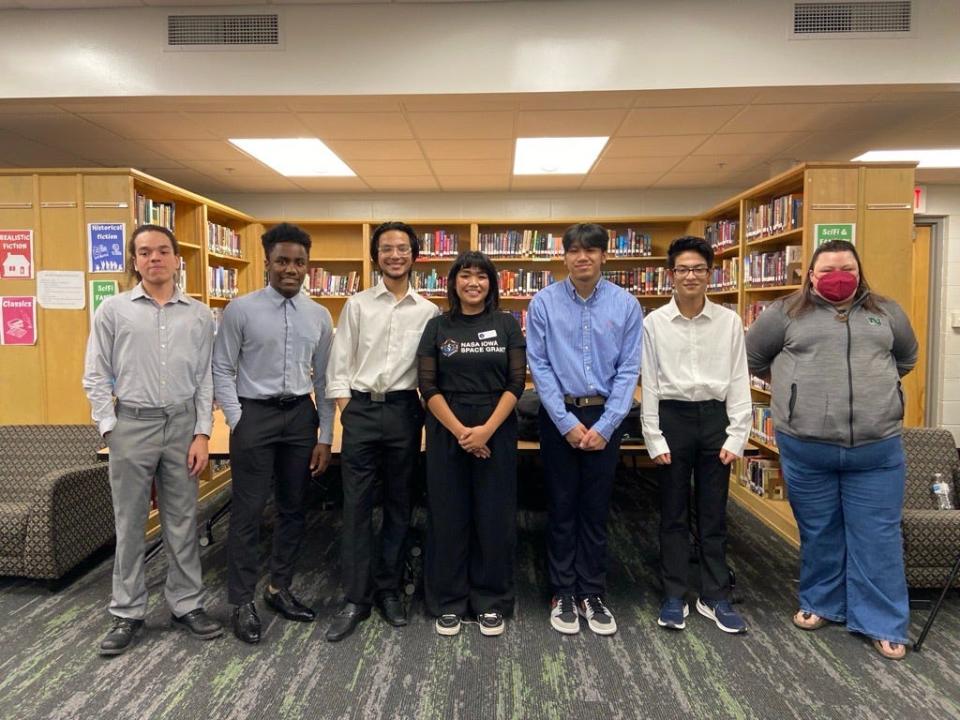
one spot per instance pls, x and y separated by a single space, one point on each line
319 458
482 452
592 441
575 435
727 457
342 404
198 454
474 438
662 459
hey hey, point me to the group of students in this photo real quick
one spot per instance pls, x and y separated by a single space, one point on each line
153 369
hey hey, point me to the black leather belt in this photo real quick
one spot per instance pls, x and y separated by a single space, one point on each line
385 397
584 401
283 402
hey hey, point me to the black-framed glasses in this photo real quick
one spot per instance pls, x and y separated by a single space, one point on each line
699 271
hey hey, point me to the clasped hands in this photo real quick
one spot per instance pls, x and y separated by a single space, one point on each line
474 440
582 439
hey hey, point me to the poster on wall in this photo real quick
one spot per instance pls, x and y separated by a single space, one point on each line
61 289
16 254
18 320
100 290
105 243
825 232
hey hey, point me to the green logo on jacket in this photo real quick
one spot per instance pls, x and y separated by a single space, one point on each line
873 320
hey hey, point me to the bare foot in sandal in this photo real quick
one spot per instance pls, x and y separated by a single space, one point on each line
891 651
808 621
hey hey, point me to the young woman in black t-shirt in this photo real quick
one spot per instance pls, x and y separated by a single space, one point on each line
472 367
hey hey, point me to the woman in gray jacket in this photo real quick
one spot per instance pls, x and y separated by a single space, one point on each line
836 353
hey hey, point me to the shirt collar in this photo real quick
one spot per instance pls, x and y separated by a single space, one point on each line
673 312
380 289
177 297
278 299
598 289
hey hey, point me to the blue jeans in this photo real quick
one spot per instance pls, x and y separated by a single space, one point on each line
848 503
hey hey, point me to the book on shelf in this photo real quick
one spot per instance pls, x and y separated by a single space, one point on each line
154 212
523 282
761 427
722 234
773 268
762 477
752 311
222 282
643 281
217 314
759 384
223 240
182 276
629 243
724 276
781 214
439 244
521 316
429 283
521 243
321 282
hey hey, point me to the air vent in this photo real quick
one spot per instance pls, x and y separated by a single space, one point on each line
851 18
223 32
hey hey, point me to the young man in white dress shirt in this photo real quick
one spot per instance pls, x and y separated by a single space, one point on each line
372 376
696 419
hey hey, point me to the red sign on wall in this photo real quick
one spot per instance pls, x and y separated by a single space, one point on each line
18 320
16 254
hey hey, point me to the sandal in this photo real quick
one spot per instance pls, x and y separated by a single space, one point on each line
890 650
808 621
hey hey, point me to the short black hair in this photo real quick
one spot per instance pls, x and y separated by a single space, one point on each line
689 243
587 235
393 225
132 244
473 259
285 232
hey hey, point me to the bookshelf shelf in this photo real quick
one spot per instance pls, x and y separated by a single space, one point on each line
754 440
732 291
196 296
214 300
228 259
434 259
776 514
636 258
773 288
761 391
330 297
187 245
725 252
782 237
326 259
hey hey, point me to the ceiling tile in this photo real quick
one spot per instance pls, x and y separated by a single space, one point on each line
475 182
56 129
719 163
939 175
793 117
389 168
568 123
695 97
653 146
251 124
151 126
184 177
117 105
25 107
402 184
338 184
258 183
357 126
125 153
814 94
546 182
184 150
230 168
467 149
620 181
467 125
27 153
715 179
619 166
344 103
598 100
676 121
459 103
349 150
749 143
471 167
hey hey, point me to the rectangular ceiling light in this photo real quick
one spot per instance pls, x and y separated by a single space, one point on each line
557 155
942 158
295 157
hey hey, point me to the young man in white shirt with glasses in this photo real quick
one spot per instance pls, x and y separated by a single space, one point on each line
696 419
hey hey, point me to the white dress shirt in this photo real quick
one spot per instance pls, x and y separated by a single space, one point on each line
375 346
695 359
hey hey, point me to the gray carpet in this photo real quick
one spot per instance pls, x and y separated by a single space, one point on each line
49 667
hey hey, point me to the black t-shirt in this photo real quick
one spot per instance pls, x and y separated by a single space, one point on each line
483 354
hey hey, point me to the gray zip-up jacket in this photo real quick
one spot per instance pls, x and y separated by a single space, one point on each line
835 376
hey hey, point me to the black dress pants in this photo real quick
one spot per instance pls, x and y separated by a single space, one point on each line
271 444
472 528
579 486
695 432
380 439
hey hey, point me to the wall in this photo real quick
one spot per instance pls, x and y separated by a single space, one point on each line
467 48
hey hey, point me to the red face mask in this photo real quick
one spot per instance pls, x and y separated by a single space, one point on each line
837 285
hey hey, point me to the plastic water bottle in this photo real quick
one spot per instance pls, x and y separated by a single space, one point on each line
941 490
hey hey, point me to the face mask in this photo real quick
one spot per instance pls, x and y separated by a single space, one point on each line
837 285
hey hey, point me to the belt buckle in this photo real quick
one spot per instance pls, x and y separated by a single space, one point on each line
378 397
583 402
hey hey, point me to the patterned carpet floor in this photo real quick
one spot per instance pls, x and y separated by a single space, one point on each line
49 667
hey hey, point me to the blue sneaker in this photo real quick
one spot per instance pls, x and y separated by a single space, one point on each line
672 614
723 614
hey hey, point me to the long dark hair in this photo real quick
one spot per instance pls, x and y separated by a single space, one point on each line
473 259
803 299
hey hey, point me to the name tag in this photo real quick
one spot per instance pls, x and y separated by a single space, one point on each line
488 335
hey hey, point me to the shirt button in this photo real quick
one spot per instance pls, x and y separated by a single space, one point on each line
162 363
163 327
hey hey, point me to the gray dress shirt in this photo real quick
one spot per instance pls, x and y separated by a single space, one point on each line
269 346
149 355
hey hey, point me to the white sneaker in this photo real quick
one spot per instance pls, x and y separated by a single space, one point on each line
491 624
598 617
563 615
448 625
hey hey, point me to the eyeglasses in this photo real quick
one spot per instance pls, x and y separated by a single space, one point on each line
401 250
699 271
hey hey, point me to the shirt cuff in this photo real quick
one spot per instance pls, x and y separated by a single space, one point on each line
232 418
326 438
203 427
107 424
657 447
567 423
735 446
334 392
603 427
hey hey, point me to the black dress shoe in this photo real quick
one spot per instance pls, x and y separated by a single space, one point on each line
287 605
392 610
121 636
246 623
199 624
346 621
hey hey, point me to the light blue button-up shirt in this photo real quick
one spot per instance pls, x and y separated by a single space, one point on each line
270 346
583 348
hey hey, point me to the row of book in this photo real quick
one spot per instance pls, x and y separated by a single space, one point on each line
724 276
762 477
321 282
521 316
722 234
769 269
439 244
429 283
759 384
520 283
521 243
645 280
222 282
761 426
781 214
752 311
223 240
629 243
153 212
